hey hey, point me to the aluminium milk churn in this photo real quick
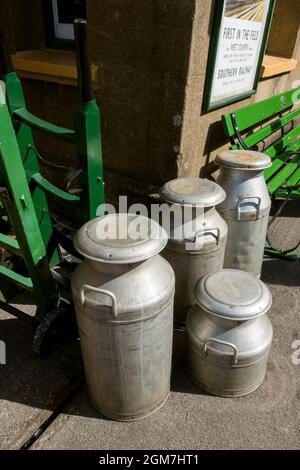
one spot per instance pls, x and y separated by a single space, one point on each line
246 208
229 334
123 294
198 247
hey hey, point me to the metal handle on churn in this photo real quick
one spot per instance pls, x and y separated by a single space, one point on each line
238 209
209 231
98 290
224 343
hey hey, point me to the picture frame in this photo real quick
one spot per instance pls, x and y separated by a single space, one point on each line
239 37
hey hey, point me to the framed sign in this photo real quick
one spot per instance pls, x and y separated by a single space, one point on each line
238 43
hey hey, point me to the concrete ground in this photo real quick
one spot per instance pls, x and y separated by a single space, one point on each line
266 419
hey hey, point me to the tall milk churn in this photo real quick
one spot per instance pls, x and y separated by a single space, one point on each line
197 239
246 207
123 294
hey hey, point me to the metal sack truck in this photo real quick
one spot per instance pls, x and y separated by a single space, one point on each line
38 243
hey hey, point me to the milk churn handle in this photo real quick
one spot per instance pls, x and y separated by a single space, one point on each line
98 290
208 231
225 343
238 209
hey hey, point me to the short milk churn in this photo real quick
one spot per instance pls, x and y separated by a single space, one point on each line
246 207
123 293
229 334
197 236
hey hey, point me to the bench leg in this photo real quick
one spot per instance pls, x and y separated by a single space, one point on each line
270 249
279 254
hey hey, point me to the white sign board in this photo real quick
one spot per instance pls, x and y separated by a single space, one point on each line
238 50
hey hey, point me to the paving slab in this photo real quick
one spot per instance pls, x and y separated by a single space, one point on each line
29 386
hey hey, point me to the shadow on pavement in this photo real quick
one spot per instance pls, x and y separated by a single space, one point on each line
281 272
37 383
28 379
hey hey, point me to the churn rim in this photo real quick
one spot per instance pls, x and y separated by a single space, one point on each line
243 160
119 251
192 192
233 295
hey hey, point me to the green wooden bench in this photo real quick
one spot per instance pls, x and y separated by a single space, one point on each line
271 126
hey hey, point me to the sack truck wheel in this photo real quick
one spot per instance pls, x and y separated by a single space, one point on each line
57 326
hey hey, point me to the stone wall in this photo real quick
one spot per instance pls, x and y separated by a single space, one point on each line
142 48
152 57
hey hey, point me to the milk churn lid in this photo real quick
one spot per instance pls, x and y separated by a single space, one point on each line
243 159
193 192
233 294
120 238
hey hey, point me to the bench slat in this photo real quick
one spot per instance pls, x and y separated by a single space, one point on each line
295 195
281 144
294 179
276 165
282 176
253 114
268 130
294 147
292 195
291 181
